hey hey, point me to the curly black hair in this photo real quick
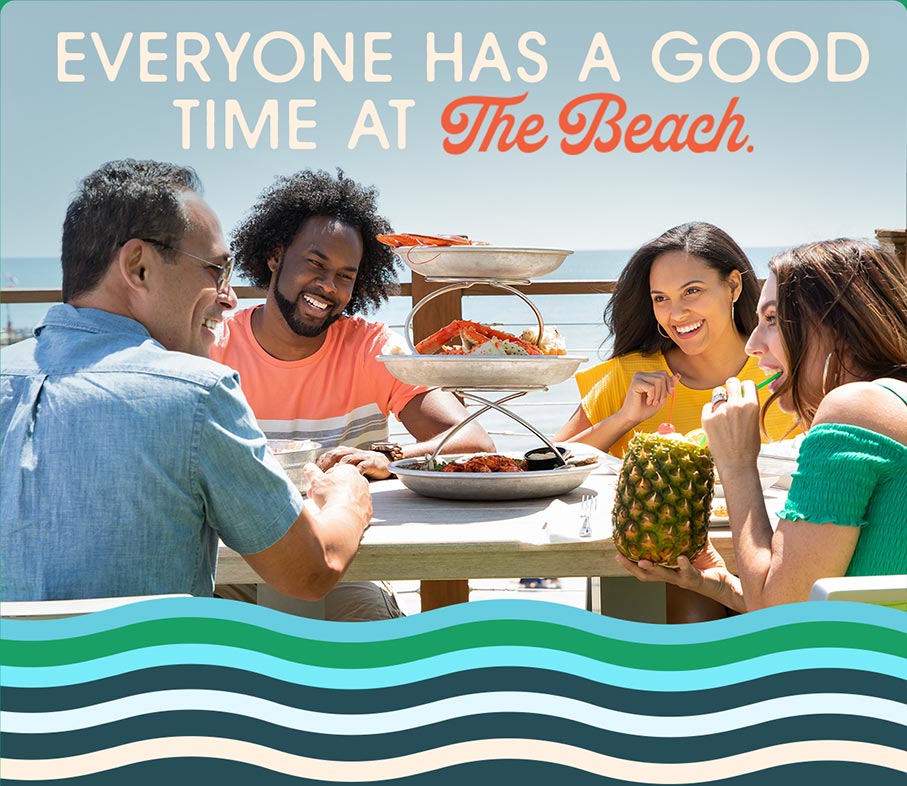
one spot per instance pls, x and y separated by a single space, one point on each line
277 216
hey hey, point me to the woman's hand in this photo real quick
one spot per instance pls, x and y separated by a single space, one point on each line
707 574
647 394
732 427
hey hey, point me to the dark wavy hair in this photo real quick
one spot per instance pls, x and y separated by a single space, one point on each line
850 294
278 214
629 315
117 202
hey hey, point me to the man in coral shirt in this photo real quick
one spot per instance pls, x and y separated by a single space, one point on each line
306 360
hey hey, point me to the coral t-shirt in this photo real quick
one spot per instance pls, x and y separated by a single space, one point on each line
340 395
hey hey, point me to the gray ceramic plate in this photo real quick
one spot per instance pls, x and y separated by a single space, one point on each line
460 371
489 485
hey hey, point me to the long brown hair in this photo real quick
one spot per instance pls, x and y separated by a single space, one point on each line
851 294
629 315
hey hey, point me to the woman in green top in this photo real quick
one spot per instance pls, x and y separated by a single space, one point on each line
833 320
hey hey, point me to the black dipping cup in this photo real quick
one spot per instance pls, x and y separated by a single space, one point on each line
543 458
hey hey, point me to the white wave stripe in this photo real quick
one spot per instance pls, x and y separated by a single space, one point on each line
451 755
471 705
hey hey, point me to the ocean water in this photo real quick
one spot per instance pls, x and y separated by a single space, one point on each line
577 317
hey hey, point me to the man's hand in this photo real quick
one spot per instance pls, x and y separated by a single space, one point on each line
369 463
341 486
318 548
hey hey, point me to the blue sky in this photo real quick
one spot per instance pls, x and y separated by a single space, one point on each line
828 158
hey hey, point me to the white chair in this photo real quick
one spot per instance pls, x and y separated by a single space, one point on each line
881 590
54 609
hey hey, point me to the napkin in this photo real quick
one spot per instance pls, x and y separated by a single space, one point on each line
562 522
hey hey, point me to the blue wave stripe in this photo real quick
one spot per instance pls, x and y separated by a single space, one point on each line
351 700
465 660
382 746
794 613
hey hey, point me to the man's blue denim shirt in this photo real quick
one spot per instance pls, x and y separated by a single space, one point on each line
123 462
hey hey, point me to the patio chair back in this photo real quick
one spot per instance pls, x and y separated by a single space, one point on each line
882 590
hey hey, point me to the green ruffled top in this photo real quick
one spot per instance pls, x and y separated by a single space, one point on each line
854 477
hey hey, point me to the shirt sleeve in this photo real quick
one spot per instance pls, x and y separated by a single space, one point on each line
248 498
838 470
604 397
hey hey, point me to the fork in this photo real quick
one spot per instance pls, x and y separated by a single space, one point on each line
586 510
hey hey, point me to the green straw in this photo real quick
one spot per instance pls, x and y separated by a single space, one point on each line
768 380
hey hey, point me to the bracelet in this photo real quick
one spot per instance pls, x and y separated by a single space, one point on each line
390 449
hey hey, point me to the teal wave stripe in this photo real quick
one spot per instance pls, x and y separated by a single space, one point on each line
460 662
457 638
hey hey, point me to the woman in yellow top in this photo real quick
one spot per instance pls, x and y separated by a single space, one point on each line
680 315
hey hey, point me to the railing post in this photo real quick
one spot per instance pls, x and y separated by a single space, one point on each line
440 312
895 241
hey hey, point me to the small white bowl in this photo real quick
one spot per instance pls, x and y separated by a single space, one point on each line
293 455
782 467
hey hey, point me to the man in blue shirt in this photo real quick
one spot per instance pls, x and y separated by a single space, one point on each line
126 452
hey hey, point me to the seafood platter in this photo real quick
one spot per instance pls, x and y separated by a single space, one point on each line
493 476
466 354
469 354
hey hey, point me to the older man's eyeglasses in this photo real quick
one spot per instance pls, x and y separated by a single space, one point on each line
224 271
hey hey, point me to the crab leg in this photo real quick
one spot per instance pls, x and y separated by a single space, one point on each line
399 241
434 342
473 336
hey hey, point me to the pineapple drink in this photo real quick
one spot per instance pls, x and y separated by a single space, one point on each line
664 498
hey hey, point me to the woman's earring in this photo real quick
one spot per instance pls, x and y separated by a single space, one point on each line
732 310
661 332
825 374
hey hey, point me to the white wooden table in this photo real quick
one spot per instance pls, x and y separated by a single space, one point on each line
414 537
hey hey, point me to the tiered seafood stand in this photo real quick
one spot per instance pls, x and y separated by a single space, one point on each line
505 377
491 381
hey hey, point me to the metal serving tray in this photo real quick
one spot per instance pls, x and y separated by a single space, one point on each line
489 485
504 264
482 373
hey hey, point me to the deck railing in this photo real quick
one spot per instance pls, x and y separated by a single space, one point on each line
448 307
421 287
442 310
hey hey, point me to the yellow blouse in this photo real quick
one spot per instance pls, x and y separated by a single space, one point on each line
604 387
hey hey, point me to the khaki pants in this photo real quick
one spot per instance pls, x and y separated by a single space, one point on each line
349 601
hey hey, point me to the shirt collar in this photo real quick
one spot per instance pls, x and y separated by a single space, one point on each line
91 320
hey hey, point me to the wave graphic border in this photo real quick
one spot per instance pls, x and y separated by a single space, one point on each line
202 684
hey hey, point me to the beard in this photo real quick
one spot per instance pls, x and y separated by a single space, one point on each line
288 310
